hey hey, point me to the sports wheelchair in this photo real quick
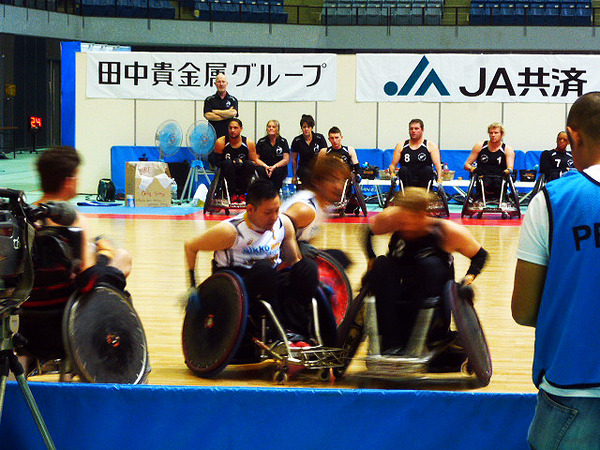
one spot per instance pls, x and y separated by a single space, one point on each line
437 208
491 194
219 197
97 336
422 358
351 201
217 325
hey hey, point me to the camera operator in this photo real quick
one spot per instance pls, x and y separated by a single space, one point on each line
58 274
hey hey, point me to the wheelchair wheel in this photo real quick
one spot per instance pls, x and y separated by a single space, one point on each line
104 338
360 198
350 332
470 333
215 323
212 190
332 274
444 200
465 209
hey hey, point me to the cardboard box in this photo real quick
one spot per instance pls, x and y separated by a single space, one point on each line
149 182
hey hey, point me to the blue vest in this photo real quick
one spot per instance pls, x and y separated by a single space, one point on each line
568 324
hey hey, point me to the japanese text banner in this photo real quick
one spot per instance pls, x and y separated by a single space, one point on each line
190 76
475 78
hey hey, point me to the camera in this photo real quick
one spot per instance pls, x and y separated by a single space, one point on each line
17 249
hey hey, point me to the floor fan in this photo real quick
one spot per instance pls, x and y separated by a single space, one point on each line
201 138
168 139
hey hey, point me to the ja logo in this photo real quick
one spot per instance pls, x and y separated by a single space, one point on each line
391 88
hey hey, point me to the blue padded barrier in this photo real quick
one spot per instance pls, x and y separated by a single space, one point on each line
532 159
174 417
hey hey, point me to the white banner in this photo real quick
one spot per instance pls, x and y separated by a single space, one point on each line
190 76
475 78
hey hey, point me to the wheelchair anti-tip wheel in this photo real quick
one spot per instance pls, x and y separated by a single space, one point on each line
215 323
104 338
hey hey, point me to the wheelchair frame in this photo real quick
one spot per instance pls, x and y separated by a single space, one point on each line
438 209
507 205
339 207
412 365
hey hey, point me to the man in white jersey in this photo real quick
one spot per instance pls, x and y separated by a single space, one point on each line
556 291
253 245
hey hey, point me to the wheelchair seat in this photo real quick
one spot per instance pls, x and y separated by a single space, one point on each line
504 202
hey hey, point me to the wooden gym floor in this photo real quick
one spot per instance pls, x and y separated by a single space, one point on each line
159 277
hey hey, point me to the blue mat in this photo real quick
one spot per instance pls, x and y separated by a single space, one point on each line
179 417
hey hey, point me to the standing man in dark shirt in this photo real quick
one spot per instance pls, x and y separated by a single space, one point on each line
307 147
220 107
555 163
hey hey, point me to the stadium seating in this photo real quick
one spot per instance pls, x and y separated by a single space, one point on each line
382 12
531 12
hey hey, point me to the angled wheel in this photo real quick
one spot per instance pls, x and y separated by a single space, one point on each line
514 195
465 208
360 197
390 195
350 332
444 200
212 190
104 338
470 331
333 275
214 323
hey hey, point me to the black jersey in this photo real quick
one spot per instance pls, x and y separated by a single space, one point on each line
406 253
491 163
307 152
216 102
341 153
415 158
271 154
554 164
240 152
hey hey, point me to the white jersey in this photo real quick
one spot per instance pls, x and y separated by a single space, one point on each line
308 198
251 246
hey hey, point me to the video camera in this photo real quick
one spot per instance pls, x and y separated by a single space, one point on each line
17 233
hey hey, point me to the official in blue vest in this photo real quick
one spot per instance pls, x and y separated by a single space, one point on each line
556 291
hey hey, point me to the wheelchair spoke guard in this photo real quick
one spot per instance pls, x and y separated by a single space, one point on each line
215 323
471 333
104 337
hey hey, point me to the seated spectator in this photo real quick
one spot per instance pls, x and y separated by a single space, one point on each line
272 155
305 148
555 163
232 155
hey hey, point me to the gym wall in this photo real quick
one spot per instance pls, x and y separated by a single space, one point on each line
103 123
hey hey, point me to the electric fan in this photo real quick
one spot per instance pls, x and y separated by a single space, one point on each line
201 138
168 138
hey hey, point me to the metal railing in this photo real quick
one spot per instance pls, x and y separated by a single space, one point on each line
340 14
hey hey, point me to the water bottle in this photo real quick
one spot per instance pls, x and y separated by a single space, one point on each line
173 190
